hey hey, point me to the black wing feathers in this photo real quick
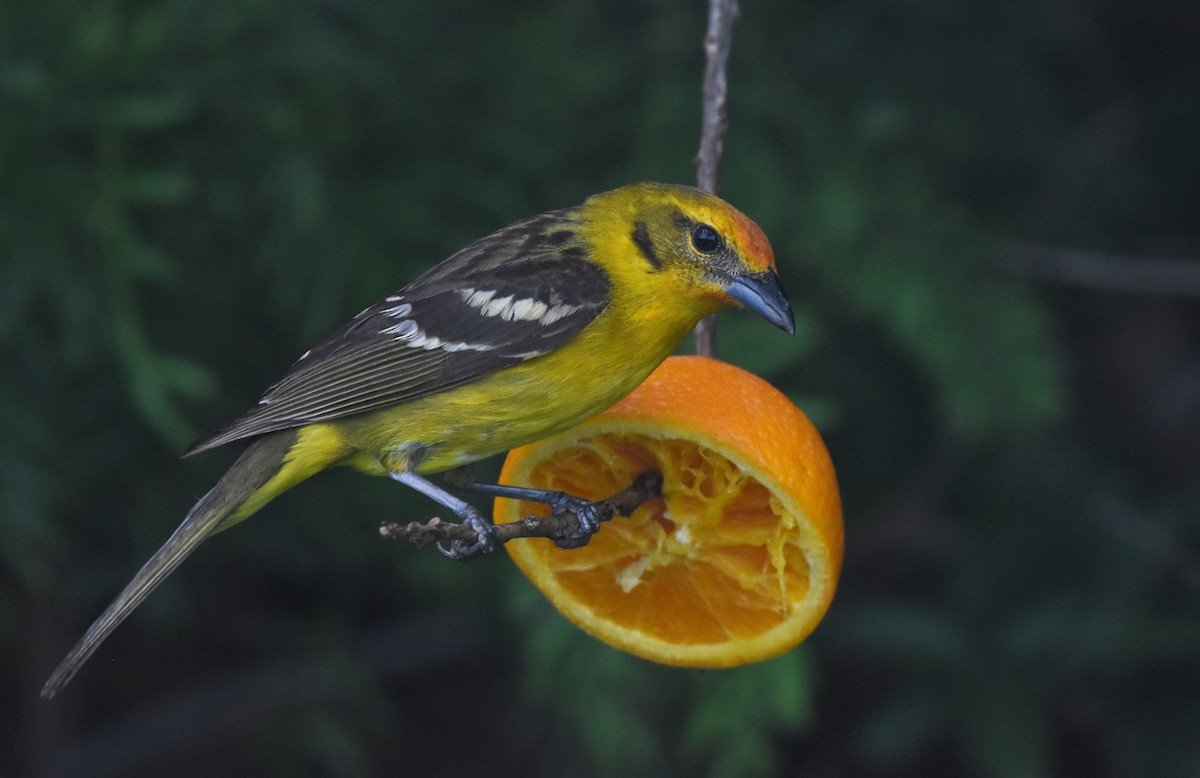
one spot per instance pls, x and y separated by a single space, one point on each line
513 295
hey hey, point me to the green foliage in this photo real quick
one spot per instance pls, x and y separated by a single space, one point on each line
194 193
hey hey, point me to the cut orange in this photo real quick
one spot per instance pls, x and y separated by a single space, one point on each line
737 562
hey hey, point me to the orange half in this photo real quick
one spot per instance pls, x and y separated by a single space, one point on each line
736 563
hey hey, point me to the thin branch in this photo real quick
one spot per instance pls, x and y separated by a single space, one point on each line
557 527
1166 276
717 42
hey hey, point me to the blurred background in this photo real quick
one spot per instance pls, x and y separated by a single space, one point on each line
988 219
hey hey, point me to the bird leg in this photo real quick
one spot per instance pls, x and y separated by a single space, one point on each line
589 513
562 527
485 531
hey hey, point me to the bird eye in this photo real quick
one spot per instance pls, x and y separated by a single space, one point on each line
706 239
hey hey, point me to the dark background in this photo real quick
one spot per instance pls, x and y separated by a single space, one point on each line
987 216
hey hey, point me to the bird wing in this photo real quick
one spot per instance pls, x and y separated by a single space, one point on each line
516 294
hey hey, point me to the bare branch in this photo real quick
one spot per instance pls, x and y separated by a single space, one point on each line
559 526
717 43
1166 276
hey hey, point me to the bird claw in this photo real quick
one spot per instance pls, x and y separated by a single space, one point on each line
589 514
586 511
467 550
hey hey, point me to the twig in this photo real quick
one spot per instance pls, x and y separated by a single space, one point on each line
1166 276
558 526
717 43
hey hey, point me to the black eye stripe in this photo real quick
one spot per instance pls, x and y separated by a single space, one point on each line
641 239
706 239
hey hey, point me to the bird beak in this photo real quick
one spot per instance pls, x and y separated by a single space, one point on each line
762 295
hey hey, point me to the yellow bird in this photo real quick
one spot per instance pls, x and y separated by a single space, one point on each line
522 334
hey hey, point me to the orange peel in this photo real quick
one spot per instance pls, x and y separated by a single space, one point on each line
740 558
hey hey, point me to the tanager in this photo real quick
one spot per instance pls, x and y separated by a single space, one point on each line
524 333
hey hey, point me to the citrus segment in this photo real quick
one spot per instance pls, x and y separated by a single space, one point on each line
737 562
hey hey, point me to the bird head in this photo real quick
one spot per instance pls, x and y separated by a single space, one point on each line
715 252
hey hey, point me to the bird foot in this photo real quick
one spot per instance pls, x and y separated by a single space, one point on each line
588 513
467 550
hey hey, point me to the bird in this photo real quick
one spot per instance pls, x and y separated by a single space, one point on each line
522 334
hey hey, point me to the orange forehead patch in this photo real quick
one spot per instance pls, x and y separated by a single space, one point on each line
754 244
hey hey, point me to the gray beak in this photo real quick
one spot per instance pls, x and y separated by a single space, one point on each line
762 295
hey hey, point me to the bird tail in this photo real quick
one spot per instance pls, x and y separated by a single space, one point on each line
263 471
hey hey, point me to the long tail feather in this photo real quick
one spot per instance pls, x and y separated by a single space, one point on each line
260 462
